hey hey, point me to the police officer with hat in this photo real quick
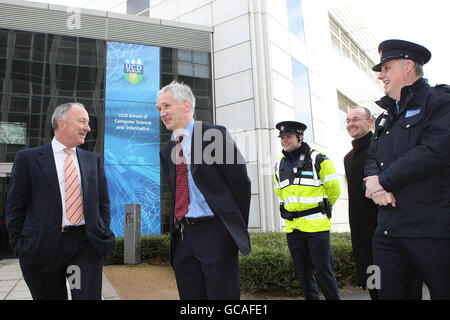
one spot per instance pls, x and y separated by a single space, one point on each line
401 49
307 185
407 174
290 127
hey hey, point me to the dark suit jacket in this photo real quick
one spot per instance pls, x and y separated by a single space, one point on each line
34 208
220 176
362 211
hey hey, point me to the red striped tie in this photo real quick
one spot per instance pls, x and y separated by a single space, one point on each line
181 183
74 202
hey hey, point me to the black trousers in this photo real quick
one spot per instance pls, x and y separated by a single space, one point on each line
206 262
406 263
75 260
311 251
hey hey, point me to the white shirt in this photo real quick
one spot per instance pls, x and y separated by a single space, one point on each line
60 156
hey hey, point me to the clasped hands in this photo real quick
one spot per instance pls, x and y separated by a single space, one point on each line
376 192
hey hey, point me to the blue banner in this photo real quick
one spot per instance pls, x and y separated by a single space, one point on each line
131 150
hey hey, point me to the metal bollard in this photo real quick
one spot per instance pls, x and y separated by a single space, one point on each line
132 239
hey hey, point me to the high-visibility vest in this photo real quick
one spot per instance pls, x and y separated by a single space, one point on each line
304 190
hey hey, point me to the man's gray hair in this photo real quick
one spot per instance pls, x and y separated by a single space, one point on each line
61 110
418 68
181 92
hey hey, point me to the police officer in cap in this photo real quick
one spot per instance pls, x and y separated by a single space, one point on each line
307 185
407 174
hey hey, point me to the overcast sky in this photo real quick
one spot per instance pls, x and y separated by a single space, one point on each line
426 22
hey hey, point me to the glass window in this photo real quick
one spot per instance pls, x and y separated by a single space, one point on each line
19 104
185 68
68 42
347 47
3 42
38 48
88 51
36 105
194 69
2 68
201 71
185 55
344 105
67 56
22 47
20 86
302 100
46 72
295 18
201 57
85 84
20 70
193 64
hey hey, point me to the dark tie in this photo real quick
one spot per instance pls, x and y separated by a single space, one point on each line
181 184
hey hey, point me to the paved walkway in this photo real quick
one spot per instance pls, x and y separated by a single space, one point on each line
13 286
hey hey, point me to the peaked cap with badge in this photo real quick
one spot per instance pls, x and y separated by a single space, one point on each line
400 49
290 127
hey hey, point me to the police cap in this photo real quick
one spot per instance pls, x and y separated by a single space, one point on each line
401 49
290 127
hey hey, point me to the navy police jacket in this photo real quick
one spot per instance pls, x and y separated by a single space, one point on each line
410 153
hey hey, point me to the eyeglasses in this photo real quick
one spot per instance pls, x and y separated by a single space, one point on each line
355 120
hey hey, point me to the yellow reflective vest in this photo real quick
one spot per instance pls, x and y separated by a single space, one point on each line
304 189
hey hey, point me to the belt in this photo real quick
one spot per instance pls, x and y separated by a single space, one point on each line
73 228
186 220
291 215
196 220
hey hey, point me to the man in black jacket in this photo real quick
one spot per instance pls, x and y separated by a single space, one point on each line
207 177
407 174
362 212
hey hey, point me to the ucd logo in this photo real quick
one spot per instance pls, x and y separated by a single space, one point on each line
133 71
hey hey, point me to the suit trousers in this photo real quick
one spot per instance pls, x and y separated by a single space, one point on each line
406 263
75 259
206 262
311 251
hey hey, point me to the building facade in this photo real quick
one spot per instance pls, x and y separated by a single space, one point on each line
251 63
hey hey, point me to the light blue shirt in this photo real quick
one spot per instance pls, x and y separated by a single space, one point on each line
198 207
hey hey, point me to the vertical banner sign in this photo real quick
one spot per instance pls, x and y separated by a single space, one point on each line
132 134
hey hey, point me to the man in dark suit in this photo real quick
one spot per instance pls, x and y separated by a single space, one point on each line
57 211
362 212
210 189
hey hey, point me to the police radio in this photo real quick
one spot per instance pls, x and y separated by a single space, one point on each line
326 207
381 124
